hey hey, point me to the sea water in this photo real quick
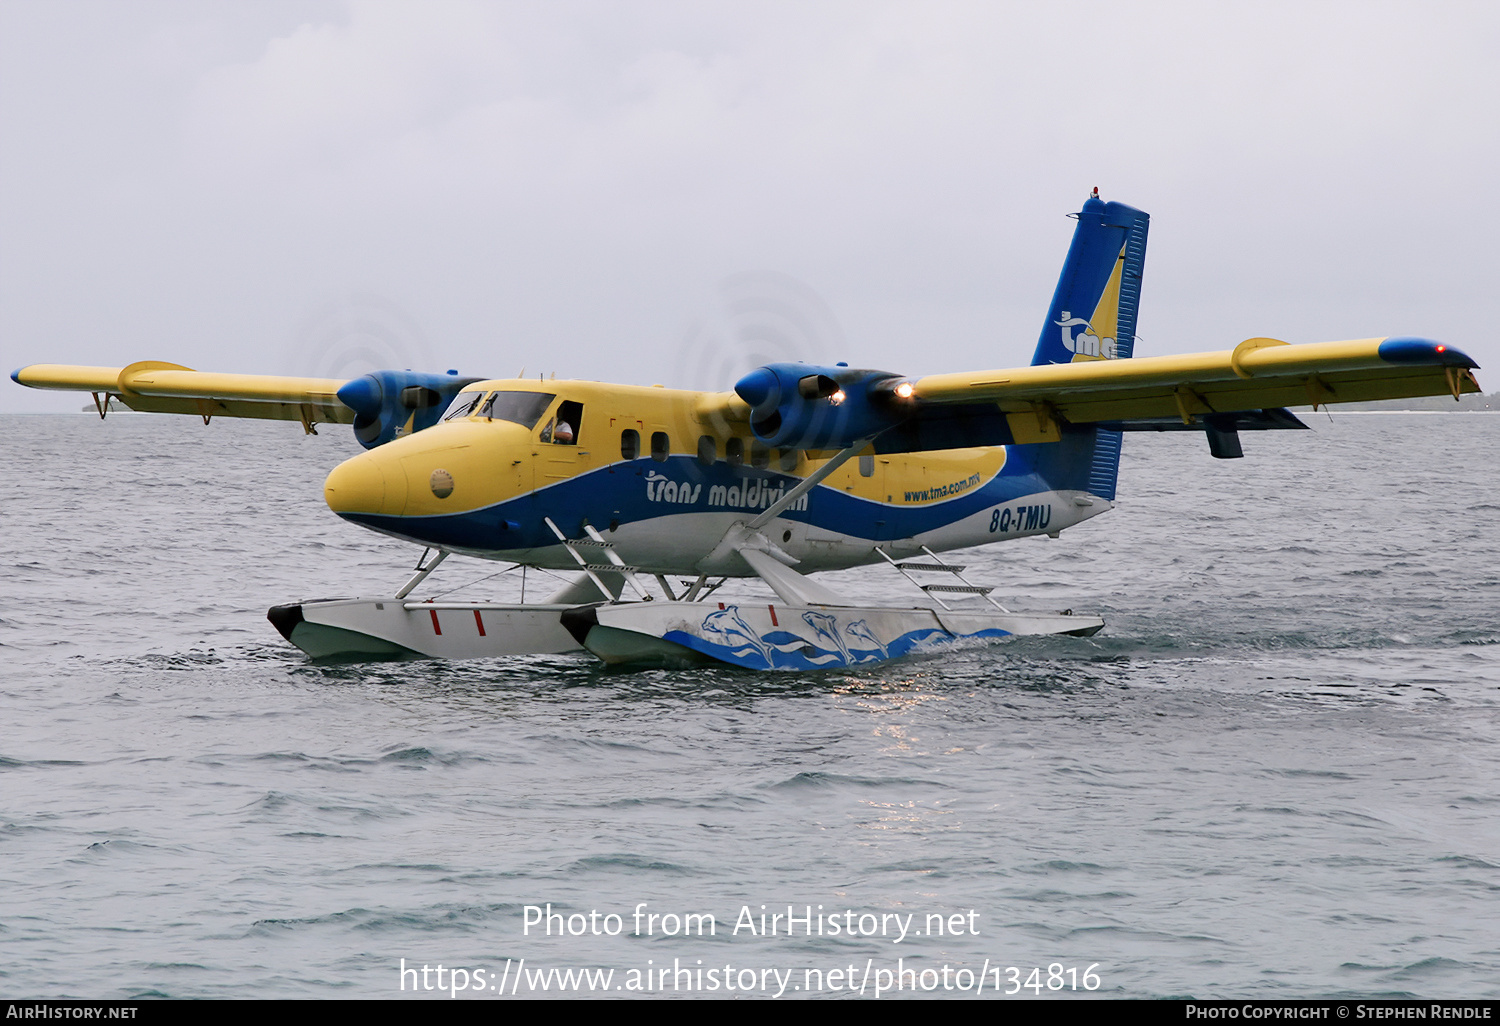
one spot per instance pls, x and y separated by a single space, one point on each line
1275 774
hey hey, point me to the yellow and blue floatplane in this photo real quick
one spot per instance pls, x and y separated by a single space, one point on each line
797 469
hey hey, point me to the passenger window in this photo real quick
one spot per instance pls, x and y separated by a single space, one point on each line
546 435
760 456
661 446
708 450
867 466
630 444
734 452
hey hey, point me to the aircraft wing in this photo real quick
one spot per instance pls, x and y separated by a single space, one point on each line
381 405
152 386
1259 374
1256 374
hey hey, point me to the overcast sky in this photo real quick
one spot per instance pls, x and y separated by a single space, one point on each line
648 192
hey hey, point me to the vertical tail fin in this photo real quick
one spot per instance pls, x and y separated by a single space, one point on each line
1092 317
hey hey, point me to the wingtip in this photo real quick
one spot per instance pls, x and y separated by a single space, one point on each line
1407 349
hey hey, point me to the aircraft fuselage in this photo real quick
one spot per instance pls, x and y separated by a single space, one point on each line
664 481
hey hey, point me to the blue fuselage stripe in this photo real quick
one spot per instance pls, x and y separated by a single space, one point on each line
643 490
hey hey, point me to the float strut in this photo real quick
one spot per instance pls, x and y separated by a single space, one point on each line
422 571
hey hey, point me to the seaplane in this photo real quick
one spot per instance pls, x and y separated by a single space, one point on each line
797 469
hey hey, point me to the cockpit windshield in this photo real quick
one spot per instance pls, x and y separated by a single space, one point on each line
462 405
523 408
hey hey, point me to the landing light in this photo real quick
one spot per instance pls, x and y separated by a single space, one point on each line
837 397
905 390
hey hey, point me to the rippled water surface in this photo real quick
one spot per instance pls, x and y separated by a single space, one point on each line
1275 774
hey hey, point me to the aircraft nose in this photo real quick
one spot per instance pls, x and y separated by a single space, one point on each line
358 485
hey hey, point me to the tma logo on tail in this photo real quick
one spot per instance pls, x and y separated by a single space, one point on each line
1092 316
1085 343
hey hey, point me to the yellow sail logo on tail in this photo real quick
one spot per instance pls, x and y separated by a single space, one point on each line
1097 339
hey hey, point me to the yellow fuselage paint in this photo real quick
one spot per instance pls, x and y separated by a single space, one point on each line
491 461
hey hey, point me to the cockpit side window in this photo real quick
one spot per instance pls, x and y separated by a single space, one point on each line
569 423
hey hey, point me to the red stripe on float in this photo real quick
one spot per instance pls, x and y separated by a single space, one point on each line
479 622
773 616
435 628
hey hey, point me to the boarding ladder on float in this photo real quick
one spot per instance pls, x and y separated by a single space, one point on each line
616 565
965 587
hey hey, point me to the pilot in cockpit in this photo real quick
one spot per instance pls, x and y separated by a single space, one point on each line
565 431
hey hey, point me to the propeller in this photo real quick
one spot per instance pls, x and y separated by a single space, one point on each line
351 336
756 318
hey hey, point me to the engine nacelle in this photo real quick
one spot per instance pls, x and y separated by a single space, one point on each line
389 404
801 406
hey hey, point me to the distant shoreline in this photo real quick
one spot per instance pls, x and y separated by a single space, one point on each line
1301 411
1308 411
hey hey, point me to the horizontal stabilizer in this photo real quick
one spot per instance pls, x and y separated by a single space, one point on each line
1221 429
1245 420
